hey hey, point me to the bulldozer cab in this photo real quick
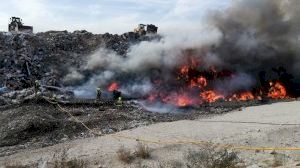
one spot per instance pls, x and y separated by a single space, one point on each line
16 19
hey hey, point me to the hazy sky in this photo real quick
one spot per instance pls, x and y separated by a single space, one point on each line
100 16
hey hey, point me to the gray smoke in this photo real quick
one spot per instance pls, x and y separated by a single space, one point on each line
143 60
249 37
88 89
167 52
259 34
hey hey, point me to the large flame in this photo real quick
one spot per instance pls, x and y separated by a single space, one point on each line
183 101
180 100
210 96
195 85
277 91
200 82
245 96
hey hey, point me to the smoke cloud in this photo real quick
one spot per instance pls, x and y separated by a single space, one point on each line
259 34
249 37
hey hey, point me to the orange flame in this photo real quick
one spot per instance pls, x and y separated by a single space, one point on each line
211 96
242 96
246 96
184 70
193 79
113 86
277 91
200 82
182 101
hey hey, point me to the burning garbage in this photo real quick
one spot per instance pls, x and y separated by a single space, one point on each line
236 59
247 55
277 91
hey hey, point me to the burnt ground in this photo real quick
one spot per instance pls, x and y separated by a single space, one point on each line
38 123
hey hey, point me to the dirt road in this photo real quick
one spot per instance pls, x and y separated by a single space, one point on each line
275 125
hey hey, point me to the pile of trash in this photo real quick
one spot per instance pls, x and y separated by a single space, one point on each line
46 57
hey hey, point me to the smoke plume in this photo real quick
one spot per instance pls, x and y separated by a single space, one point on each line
231 50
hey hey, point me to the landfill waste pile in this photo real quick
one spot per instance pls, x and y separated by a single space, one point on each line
26 59
33 68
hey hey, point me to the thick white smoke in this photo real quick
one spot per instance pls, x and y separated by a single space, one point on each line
166 52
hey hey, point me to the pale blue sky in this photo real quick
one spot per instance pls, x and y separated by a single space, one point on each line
100 16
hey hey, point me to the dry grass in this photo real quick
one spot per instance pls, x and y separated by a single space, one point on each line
210 157
74 163
125 155
142 151
16 166
13 164
171 164
64 162
279 159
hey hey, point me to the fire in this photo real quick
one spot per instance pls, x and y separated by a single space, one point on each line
211 96
184 70
277 91
177 99
113 86
200 82
242 96
193 81
185 100
246 96
182 101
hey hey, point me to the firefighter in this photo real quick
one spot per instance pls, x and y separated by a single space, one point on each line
116 94
119 102
264 87
98 98
37 87
99 92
